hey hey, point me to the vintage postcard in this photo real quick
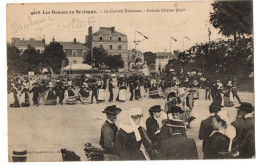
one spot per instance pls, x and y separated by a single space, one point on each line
113 81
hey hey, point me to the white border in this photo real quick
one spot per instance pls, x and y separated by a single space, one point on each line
3 101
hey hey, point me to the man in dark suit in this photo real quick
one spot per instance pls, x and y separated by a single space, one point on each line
109 131
110 88
131 88
244 142
94 89
206 129
177 147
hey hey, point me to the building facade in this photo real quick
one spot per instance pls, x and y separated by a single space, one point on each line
23 44
115 43
74 51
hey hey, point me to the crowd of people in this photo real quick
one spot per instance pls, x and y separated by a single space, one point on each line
163 136
166 139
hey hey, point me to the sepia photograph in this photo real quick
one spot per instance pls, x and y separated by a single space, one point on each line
127 81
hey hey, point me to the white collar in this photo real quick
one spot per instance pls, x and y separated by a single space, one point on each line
109 121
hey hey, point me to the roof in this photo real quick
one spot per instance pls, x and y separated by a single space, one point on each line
32 42
74 67
110 31
71 45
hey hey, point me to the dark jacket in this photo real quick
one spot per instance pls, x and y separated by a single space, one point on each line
152 126
206 129
127 148
218 146
108 136
178 147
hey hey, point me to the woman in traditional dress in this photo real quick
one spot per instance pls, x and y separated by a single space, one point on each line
172 100
14 92
153 92
121 92
220 141
228 95
84 93
137 89
71 97
101 91
195 86
186 105
51 95
132 142
25 99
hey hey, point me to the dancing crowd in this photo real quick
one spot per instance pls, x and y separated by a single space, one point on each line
163 136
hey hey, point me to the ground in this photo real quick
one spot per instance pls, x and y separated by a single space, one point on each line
44 130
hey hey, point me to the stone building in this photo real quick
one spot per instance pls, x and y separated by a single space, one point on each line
114 42
75 51
23 44
162 59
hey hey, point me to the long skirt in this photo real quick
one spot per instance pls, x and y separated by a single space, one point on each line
14 100
121 95
154 93
228 102
101 95
26 99
72 99
84 98
196 95
51 98
188 116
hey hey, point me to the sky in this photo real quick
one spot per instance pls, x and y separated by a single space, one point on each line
185 19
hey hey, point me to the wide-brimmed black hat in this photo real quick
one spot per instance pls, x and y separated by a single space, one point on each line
175 123
112 110
175 109
246 107
156 108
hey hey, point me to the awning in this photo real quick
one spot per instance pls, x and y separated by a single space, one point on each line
77 67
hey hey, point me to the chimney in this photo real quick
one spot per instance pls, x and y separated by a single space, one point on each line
43 41
90 31
113 29
75 40
53 39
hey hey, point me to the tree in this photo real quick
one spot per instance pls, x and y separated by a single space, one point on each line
114 61
53 56
13 59
30 60
99 54
233 17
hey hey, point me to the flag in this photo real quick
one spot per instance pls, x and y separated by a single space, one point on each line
174 39
142 35
187 38
209 32
136 42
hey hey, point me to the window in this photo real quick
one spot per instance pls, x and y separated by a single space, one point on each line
119 38
119 47
74 62
100 38
74 53
111 47
110 38
101 46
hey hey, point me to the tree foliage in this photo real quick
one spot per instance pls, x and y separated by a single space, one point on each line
53 56
99 54
13 59
150 57
233 17
114 61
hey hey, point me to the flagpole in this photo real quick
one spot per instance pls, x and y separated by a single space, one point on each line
170 48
